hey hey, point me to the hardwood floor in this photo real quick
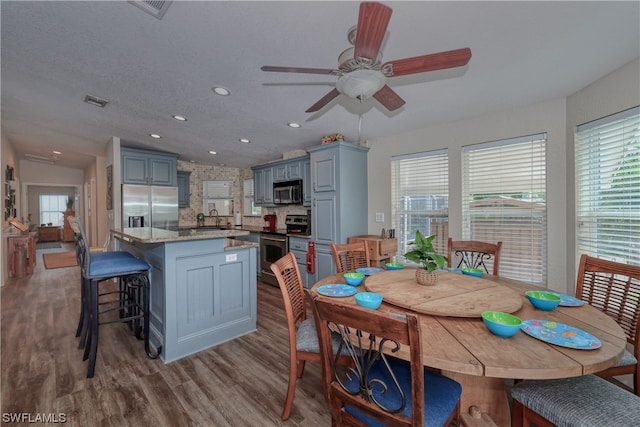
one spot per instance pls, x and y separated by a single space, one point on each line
239 383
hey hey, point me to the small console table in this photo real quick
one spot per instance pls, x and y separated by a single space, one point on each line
48 234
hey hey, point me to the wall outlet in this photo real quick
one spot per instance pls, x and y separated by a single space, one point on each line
379 216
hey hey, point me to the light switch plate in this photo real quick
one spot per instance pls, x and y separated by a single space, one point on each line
379 216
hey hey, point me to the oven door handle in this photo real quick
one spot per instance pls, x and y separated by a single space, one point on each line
274 239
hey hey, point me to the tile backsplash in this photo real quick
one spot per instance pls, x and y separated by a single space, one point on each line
200 173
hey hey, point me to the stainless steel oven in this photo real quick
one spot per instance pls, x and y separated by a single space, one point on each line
272 247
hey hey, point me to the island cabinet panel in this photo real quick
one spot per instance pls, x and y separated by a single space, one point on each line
202 294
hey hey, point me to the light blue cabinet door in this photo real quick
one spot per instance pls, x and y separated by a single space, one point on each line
324 171
183 189
148 167
325 264
306 183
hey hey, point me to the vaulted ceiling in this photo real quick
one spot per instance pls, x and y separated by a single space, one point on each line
55 53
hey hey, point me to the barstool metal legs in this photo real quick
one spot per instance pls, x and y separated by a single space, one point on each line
133 304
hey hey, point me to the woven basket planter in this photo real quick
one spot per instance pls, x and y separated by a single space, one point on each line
424 277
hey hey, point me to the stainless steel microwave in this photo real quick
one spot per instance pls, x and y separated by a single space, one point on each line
287 192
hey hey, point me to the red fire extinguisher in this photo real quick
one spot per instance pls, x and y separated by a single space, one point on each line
311 257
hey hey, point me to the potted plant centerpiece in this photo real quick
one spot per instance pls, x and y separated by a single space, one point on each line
425 254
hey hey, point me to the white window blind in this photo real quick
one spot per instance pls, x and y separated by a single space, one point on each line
504 199
52 207
607 160
248 206
218 197
420 198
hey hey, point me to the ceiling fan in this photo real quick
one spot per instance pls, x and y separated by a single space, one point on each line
361 73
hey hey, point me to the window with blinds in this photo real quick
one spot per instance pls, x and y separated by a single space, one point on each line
504 199
249 207
607 160
420 198
218 197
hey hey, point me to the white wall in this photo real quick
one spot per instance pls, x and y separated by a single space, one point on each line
615 92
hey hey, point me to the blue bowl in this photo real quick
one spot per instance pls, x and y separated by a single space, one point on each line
353 279
369 299
394 266
475 272
504 325
541 300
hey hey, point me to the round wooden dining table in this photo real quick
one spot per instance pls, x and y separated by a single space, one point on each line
456 341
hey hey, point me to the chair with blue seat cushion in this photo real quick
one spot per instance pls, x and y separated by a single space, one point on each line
586 401
614 288
303 335
83 322
378 388
133 296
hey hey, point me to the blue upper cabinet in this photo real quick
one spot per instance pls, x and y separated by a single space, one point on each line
183 189
263 185
148 167
288 170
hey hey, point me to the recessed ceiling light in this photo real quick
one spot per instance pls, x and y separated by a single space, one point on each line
155 136
56 152
244 140
179 118
222 91
294 125
212 152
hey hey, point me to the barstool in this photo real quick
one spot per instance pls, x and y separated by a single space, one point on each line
133 298
114 256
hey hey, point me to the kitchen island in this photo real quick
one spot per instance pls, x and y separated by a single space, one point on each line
203 286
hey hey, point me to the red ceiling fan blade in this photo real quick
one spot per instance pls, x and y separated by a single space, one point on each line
387 97
298 70
434 61
372 24
323 101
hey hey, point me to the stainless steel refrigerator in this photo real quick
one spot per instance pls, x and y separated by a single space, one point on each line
149 206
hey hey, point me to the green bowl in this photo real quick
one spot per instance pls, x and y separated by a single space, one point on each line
543 300
394 266
475 272
502 324
353 279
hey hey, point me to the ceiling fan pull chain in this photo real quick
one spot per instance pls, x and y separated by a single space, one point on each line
359 126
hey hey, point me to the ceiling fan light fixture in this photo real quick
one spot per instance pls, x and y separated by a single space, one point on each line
361 84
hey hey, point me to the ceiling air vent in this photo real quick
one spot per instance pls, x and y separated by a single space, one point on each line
94 100
153 8
39 159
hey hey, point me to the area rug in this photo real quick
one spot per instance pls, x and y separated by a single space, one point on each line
48 245
60 259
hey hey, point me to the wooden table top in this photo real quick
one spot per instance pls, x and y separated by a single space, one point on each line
455 294
464 345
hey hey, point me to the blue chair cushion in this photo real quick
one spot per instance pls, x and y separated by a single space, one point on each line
105 268
441 394
586 401
110 256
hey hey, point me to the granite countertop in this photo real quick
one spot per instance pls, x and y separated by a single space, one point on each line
159 235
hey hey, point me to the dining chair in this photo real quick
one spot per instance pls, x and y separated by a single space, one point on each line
378 388
614 288
573 402
349 256
303 338
475 254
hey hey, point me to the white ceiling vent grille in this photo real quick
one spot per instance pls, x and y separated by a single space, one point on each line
153 8
39 159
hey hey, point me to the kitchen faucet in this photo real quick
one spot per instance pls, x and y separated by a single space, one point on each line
217 216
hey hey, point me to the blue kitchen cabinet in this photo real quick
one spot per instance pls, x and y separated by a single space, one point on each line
148 167
287 170
183 189
263 185
299 247
339 201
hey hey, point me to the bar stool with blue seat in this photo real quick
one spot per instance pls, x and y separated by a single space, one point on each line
83 321
134 298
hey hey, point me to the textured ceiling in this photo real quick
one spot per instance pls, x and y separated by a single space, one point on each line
54 53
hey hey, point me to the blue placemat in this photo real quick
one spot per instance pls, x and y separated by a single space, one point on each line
560 334
338 290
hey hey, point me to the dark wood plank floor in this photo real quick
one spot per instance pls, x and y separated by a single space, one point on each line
239 383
